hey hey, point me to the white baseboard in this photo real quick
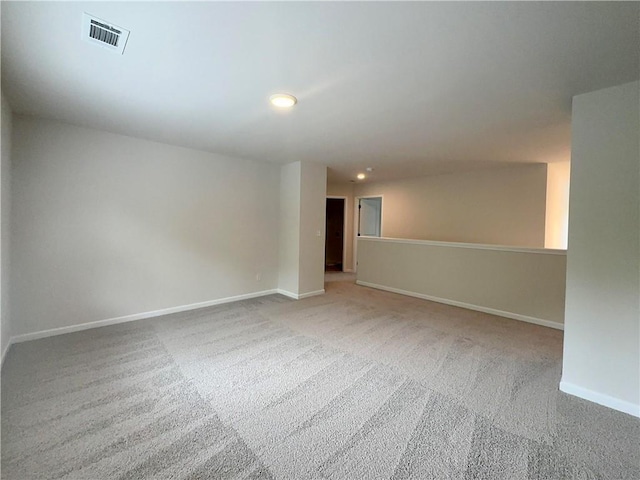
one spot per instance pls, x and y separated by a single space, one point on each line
138 316
479 308
310 294
300 296
287 293
4 353
600 399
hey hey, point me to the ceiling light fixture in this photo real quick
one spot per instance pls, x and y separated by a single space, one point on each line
361 176
283 100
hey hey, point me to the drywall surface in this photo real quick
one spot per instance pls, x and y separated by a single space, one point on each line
499 206
289 242
557 218
602 338
5 212
345 190
523 284
106 226
313 192
303 188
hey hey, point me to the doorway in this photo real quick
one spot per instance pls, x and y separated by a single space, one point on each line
370 216
368 221
334 248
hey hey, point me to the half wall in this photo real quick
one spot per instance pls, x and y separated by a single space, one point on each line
521 283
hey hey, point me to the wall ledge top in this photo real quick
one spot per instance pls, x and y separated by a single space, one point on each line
476 246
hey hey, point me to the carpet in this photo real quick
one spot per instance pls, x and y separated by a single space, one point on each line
354 384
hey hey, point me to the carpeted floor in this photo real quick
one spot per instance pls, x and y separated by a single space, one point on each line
355 384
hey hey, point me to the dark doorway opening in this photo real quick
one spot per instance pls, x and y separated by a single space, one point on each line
334 241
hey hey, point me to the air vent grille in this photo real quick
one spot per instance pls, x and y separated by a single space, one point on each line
103 33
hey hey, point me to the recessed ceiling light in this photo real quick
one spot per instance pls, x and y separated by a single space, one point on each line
361 176
283 100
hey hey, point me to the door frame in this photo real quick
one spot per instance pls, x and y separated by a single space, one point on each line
344 228
356 224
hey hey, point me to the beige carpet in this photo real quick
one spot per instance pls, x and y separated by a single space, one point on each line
354 384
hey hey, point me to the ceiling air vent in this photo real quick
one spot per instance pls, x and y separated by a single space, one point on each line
103 33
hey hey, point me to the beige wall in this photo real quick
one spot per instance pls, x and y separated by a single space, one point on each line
523 284
498 206
602 338
557 216
303 188
345 190
5 209
108 226
313 194
289 233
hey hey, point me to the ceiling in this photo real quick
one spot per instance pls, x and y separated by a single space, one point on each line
406 88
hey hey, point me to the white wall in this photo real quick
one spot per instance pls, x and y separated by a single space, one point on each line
5 209
289 258
108 226
303 189
602 336
345 190
525 284
313 209
498 206
557 216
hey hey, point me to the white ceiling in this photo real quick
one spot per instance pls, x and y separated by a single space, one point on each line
406 88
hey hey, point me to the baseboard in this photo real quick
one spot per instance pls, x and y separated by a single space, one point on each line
4 352
138 316
348 270
600 399
300 296
287 293
310 294
479 308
